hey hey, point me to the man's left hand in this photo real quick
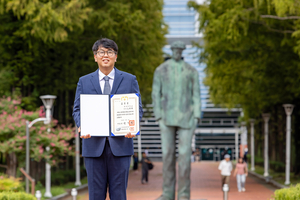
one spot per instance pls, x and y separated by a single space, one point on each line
129 135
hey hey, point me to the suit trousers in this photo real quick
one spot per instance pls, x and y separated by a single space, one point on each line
168 143
107 171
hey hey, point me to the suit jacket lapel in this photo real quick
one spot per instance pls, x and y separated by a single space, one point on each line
117 81
95 81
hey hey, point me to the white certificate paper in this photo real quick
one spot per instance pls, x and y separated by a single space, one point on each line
109 115
94 115
125 114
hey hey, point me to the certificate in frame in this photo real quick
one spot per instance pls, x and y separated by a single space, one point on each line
124 114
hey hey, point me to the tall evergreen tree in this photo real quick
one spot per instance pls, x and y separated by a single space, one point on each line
251 49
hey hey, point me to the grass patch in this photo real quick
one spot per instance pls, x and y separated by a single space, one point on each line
55 190
278 176
71 185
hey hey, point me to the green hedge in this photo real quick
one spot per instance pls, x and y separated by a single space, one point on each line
292 193
64 176
274 165
16 196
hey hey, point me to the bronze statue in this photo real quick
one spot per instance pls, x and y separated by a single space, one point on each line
176 101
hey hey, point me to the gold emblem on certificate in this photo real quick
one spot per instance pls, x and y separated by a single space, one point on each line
124 114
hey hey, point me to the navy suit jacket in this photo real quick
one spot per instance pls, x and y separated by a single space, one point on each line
89 84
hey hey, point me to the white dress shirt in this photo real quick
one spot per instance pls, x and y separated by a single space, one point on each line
225 167
111 76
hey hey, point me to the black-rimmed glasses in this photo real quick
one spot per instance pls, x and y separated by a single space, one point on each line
101 53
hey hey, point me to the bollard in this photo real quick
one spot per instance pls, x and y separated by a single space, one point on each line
74 193
225 190
38 195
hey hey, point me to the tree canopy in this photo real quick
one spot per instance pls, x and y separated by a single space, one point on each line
251 48
45 46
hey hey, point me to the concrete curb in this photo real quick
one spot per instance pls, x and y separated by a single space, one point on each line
267 179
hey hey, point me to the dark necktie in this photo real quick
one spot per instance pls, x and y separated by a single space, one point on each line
106 85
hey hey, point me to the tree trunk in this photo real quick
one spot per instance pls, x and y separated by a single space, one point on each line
11 164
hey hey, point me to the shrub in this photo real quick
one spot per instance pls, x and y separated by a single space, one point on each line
16 196
274 165
10 184
64 176
291 193
277 166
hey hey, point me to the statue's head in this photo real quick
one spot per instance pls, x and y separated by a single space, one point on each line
177 48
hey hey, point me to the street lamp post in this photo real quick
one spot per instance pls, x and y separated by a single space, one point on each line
252 144
48 102
236 143
266 117
139 147
288 110
77 183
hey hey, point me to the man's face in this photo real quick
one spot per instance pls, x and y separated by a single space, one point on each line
105 61
227 159
177 53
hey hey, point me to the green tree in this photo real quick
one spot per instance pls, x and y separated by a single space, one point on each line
251 49
13 138
46 52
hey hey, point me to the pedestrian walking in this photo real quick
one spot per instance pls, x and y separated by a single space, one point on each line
225 167
197 155
145 168
193 156
241 172
135 161
245 155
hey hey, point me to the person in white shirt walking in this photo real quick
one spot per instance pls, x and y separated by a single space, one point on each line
225 167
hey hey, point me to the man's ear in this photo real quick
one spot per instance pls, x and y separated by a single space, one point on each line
95 57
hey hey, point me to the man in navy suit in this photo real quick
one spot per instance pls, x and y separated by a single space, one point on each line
107 159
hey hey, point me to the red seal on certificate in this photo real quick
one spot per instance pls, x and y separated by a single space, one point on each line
131 123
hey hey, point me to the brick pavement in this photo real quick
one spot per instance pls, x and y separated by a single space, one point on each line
205 185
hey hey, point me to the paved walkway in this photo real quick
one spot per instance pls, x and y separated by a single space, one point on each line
205 185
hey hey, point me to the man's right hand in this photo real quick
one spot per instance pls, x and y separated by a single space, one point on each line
84 136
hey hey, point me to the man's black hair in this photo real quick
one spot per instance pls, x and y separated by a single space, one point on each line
106 43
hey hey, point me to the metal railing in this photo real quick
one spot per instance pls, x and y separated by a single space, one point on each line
30 179
203 122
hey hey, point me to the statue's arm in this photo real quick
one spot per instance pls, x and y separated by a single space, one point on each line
196 96
156 95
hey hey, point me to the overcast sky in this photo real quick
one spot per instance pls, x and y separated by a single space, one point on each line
200 1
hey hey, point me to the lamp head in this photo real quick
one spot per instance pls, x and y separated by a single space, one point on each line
48 100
